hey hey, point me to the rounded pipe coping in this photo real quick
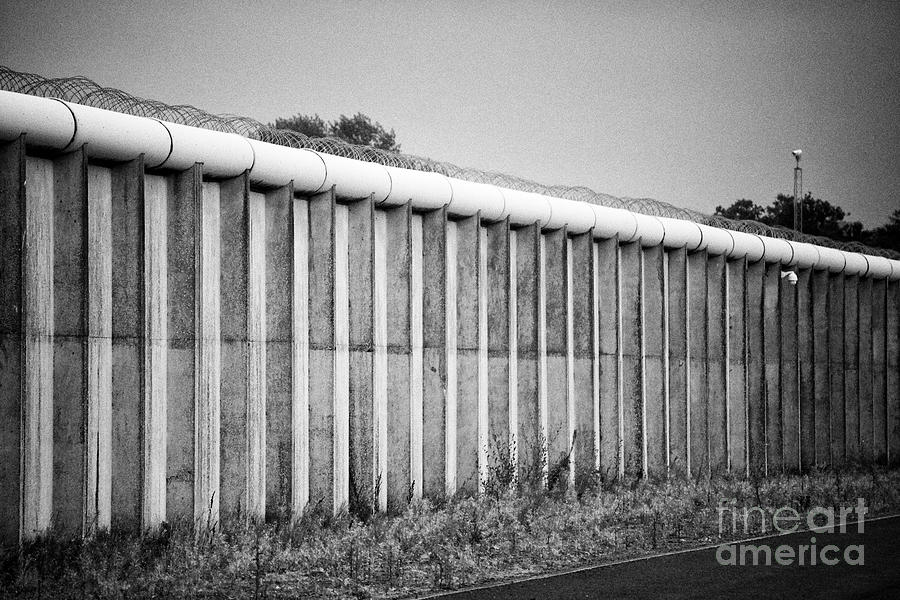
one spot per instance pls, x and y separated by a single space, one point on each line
468 197
716 241
650 230
777 250
276 166
747 245
111 136
681 234
222 154
355 179
611 222
525 208
576 217
856 264
425 190
831 260
806 256
879 267
47 123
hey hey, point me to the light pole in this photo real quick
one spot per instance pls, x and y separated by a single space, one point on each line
798 190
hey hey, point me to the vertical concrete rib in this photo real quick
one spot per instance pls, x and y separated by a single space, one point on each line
556 386
341 441
98 431
631 358
851 368
468 451
380 358
127 343
497 307
837 409
256 355
806 368
12 376
155 350
278 307
571 416
737 356
772 368
892 409
679 407
790 407
300 350
451 326
865 370
698 368
527 284
416 357
237 421
434 354
513 344
543 421
654 350
482 353
879 370
756 381
38 324
398 268
362 425
186 261
718 372
69 348
608 350
820 327
596 380
582 321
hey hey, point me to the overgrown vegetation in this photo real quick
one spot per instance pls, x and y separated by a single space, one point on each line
517 527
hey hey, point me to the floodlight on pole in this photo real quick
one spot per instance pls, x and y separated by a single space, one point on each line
798 190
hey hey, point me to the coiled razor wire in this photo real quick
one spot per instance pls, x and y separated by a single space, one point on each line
84 91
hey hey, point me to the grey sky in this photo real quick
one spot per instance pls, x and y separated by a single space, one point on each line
696 104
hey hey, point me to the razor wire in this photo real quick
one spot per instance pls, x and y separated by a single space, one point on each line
82 90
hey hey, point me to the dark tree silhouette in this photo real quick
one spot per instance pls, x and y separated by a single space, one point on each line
358 129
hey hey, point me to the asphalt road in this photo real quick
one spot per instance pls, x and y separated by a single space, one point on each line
697 574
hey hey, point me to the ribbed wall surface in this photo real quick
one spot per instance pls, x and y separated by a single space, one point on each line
175 347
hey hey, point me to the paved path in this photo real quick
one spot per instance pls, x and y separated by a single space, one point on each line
697 574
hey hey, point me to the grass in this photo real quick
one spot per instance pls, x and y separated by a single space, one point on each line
429 546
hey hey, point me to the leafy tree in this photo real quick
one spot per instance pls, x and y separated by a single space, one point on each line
358 129
742 210
886 236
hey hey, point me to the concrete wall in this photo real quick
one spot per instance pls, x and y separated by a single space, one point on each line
175 346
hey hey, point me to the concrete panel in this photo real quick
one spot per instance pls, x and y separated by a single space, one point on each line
772 368
256 355
559 440
12 231
451 355
865 370
756 382
678 356
300 347
821 348
655 359
416 357
529 442
836 366
879 370
153 505
185 203
806 365
498 327
790 377
892 410
398 254
717 364
737 366
69 348
583 322
698 376
611 459
851 367
434 384
278 303
469 402
235 428
363 472
631 357
127 342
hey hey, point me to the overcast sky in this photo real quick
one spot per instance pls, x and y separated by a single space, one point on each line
697 104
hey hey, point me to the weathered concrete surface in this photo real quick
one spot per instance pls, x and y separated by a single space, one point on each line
559 440
678 361
851 368
879 370
893 373
806 364
498 327
529 289
737 367
821 345
836 322
698 352
468 232
756 390
631 357
717 367
865 370
772 334
790 377
655 360
583 320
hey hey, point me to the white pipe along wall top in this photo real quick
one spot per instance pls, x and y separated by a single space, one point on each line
54 125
